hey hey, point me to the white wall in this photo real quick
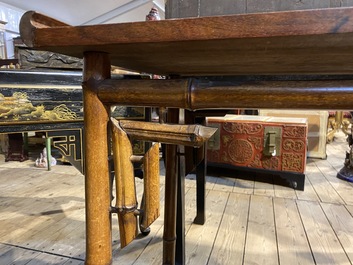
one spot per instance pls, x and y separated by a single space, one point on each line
76 12
80 12
12 16
138 14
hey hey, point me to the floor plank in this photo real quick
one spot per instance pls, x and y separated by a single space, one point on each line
200 238
324 243
47 259
248 221
321 185
309 193
293 246
229 245
74 262
344 190
263 188
15 255
244 185
261 245
284 192
342 223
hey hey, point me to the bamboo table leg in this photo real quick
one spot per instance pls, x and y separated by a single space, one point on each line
98 218
171 186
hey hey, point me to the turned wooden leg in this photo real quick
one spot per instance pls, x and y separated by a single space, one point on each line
97 187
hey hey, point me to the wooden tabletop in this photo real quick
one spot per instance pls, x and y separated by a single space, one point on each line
292 42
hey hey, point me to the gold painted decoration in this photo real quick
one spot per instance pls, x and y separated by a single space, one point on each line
18 107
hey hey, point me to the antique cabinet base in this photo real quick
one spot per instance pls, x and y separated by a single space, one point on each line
284 178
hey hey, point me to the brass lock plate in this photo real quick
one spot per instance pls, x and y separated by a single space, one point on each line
272 141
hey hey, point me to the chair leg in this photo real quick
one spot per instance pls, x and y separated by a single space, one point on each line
200 191
180 228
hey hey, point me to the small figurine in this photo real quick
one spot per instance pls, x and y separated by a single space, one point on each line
153 15
42 160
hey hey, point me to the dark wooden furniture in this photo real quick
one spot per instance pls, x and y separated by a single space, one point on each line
16 150
8 62
48 101
299 59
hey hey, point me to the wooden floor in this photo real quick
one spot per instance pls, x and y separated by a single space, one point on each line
248 221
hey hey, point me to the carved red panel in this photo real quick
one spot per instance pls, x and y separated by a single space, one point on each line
241 141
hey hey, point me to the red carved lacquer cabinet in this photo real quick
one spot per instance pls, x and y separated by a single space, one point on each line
260 142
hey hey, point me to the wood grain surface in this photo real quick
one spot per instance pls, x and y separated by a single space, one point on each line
296 42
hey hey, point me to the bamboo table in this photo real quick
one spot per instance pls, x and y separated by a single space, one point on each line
288 60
